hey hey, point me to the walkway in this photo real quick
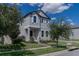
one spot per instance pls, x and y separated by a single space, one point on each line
38 48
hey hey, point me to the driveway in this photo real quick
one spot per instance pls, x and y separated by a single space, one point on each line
63 53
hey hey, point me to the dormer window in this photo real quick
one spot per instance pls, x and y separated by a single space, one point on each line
34 19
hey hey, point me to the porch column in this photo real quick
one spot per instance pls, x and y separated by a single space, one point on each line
29 34
38 39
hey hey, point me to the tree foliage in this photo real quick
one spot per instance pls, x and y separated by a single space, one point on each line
9 19
60 28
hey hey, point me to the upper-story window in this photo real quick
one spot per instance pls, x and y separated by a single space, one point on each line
46 21
34 19
42 20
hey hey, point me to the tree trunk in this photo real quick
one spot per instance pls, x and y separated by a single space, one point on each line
57 42
2 38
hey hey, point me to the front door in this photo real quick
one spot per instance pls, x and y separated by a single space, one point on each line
31 33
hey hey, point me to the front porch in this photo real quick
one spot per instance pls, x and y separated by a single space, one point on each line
33 33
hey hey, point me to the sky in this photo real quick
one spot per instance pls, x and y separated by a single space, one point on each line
69 11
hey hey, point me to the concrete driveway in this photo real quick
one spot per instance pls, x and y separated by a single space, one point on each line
63 53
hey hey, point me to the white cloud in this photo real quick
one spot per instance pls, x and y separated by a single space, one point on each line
53 18
70 21
53 7
38 4
32 4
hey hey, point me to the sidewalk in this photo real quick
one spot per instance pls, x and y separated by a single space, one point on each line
38 48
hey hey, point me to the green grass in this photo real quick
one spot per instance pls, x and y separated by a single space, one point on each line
30 53
75 43
60 43
41 51
38 51
34 45
16 53
64 42
46 50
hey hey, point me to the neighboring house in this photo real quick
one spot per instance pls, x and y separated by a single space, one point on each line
35 26
75 31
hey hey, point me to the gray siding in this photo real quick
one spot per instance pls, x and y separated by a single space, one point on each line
75 34
37 24
28 22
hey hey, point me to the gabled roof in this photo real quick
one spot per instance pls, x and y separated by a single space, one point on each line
39 13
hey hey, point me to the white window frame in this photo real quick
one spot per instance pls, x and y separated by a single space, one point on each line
34 19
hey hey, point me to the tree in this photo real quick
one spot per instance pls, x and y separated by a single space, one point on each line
9 19
60 28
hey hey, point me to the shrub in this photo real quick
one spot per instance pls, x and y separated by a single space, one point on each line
18 40
62 46
10 47
32 40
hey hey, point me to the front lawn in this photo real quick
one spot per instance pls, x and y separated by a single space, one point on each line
53 48
60 43
34 45
30 52
46 50
35 52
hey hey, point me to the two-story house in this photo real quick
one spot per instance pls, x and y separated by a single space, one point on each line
35 26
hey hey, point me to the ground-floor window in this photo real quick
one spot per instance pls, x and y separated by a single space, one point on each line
42 33
46 33
31 33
